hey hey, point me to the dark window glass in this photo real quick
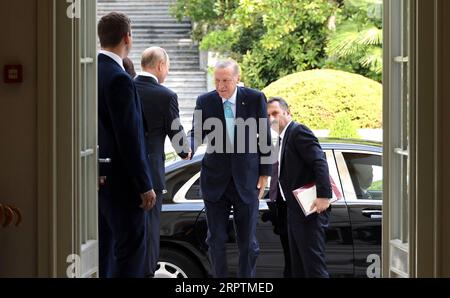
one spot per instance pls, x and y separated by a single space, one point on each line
194 193
366 172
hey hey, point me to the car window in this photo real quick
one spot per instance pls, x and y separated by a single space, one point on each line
366 173
194 192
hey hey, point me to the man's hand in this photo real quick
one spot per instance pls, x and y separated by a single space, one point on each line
148 200
262 183
189 156
320 204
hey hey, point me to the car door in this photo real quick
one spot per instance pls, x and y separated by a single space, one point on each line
339 245
361 176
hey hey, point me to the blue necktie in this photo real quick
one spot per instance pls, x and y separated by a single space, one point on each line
229 118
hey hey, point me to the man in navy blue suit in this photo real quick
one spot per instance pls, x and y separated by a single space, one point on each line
160 106
301 161
126 190
236 166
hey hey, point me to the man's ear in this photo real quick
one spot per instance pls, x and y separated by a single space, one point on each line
127 38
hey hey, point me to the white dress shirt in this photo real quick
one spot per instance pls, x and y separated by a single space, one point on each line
279 156
232 100
147 74
113 56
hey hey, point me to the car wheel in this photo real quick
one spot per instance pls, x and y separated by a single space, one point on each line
175 264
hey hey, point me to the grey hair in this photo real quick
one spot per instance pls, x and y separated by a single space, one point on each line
229 63
152 56
281 101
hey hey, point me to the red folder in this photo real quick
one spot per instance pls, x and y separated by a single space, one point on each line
306 195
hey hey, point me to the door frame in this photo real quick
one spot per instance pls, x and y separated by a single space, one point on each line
60 211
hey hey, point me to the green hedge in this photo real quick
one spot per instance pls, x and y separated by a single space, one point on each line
317 97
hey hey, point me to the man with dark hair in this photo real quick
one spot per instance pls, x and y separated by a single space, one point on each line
162 117
301 161
126 192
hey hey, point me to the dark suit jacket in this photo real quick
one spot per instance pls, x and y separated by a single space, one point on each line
302 162
218 168
160 107
121 133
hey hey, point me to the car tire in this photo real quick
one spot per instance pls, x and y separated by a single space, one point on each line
175 264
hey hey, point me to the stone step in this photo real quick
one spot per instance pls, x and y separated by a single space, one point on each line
185 81
162 27
131 5
186 85
142 40
135 3
145 38
189 99
164 35
176 77
189 93
191 86
154 18
169 48
188 73
186 113
137 10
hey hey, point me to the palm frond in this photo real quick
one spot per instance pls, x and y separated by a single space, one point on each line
344 42
370 36
373 59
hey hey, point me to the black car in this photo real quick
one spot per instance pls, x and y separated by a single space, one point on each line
353 238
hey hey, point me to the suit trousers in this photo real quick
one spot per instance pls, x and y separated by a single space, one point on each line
245 220
153 219
122 239
307 241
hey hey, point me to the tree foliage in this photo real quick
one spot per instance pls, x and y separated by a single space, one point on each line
271 38
356 44
274 38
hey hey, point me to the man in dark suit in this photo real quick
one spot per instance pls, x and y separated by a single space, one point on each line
126 190
162 118
236 166
301 161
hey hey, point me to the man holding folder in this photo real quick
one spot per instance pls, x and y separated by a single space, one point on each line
301 161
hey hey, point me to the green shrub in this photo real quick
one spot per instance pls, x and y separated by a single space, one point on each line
344 128
317 97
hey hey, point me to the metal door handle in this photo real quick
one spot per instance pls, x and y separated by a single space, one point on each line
373 214
104 160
